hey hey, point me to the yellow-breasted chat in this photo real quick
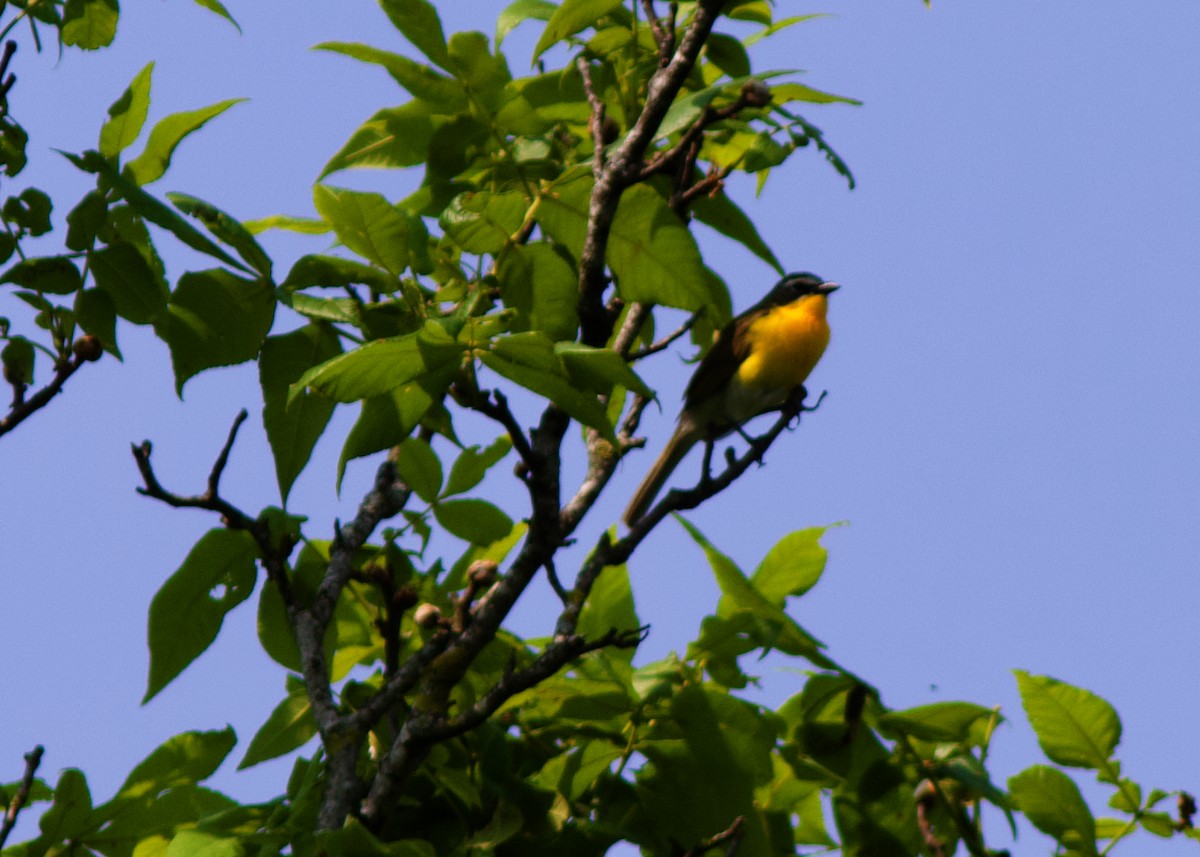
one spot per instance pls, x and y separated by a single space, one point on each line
756 363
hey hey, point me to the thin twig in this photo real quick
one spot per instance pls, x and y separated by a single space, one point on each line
32 759
557 655
730 837
214 476
22 408
652 20
678 500
597 120
666 341
211 499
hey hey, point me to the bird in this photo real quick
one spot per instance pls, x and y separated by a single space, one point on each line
758 360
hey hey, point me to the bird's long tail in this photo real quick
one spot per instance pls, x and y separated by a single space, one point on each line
685 437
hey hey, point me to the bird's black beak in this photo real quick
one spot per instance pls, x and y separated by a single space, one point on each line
826 288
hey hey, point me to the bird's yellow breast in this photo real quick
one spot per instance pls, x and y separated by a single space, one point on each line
785 345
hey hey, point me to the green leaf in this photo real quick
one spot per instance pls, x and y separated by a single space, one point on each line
383 366
444 94
571 17
199 843
706 774
166 135
335 272
542 286
572 773
393 137
792 566
96 314
474 521
89 24
30 211
18 359
609 606
599 369
217 7
186 613
782 93
551 383
290 726
354 840
155 210
227 229
1073 726
727 54
758 11
289 223
418 21
483 74
85 221
782 24
654 256
190 757
127 115
293 426
1050 800
71 816
215 319
473 464
367 224
420 468
484 222
52 275
519 11
275 631
776 628
122 273
939 721
1162 825
387 419
721 213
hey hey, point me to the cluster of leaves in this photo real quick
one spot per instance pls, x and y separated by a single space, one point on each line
440 732
108 266
656 755
84 24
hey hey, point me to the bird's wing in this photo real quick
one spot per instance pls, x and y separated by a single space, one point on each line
718 366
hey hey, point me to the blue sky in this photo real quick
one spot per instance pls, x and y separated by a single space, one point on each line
1011 431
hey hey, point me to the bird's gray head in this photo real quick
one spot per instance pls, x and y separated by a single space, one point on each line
797 285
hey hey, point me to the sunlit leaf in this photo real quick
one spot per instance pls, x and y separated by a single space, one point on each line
166 136
1050 800
89 24
127 114
288 727
1073 726
444 94
189 757
571 17
418 21
474 521
367 224
519 11
382 366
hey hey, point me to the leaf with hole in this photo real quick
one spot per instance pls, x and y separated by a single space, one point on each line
188 610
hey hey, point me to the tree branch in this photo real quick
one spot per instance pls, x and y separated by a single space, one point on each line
730 837
624 168
32 759
22 408
557 655
211 499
